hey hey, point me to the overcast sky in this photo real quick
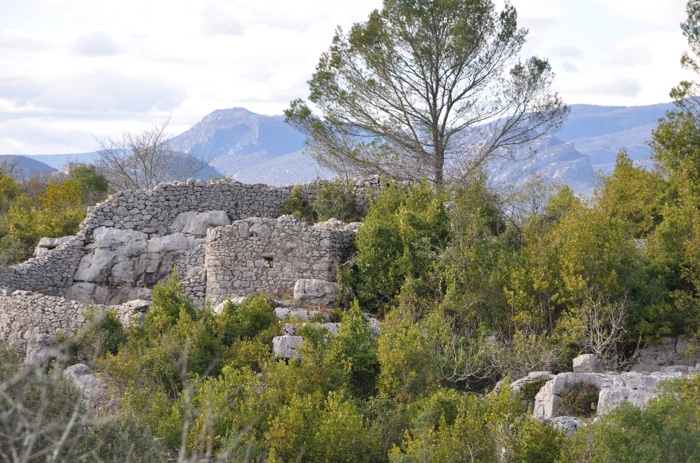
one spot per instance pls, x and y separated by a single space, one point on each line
75 70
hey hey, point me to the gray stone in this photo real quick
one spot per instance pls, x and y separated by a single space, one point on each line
47 244
92 389
587 363
97 266
548 398
566 424
287 347
314 291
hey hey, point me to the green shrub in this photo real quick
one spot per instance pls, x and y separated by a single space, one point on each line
336 200
581 400
103 334
299 207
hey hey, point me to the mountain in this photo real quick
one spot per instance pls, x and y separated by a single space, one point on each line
600 132
249 147
255 148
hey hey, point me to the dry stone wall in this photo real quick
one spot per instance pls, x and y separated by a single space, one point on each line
26 314
270 255
50 273
132 240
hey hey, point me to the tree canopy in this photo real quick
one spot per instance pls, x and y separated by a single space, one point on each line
425 87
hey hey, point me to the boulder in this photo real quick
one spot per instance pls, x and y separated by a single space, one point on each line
92 389
287 347
566 424
108 237
587 363
312 291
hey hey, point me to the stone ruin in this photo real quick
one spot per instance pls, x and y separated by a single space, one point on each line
224 238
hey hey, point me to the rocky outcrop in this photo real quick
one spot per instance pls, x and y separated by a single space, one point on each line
93 390
313 291
613 389
287 347
673 355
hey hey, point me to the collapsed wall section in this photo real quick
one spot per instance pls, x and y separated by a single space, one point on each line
51 273
26 314
261 255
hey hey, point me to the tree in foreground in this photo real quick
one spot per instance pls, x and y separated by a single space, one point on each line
425 87
142 160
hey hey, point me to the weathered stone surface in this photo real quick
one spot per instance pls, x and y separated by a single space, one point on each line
312 291
194 223
41 349
635 388
566 424
287 347
548 398
92 389
614 389
587 363
674 354
534 377
286 313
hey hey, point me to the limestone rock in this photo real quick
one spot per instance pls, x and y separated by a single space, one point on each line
313 291
636 388
566 424
547 400
92 389
193 223
587 363
219 308
287 347
534 377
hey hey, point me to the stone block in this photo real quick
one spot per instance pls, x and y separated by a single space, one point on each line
587 363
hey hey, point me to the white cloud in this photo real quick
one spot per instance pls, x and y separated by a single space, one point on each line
96 44
665 12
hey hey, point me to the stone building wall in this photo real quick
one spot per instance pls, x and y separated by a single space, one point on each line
190 268
151 214
270 255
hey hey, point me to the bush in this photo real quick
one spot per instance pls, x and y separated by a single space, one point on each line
299 207
336 200
581 400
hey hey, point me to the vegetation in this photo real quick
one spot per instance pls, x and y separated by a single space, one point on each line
39 207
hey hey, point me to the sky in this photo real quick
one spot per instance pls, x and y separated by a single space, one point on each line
73 72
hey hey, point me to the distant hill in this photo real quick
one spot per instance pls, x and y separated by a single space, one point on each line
24 166
255 148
